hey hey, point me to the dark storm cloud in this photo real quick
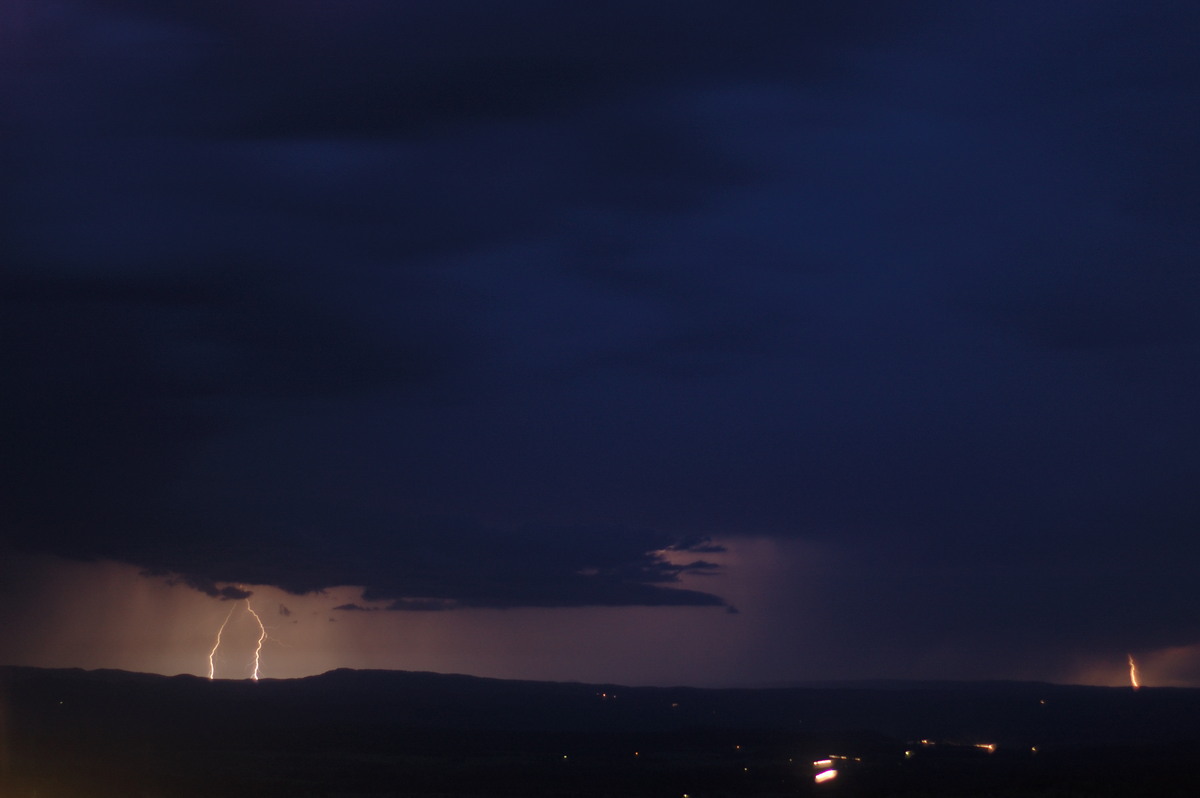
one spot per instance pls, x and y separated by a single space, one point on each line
227 593
116 382
422 605
426 564
914 280
147 326
365 68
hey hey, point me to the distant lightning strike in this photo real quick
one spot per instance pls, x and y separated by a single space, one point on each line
217 642
262 635
1133 673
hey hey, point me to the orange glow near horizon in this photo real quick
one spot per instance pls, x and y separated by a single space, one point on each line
63 613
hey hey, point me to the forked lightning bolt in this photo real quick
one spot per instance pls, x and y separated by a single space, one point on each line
262 635
1133 674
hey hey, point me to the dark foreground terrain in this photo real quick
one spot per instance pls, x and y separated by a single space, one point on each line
354 734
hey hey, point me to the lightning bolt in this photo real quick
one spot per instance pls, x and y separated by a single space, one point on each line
262 635
217 642
1133 673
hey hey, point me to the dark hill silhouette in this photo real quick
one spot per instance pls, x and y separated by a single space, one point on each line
403 733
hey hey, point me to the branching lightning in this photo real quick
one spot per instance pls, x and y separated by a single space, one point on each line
262 635
1133 673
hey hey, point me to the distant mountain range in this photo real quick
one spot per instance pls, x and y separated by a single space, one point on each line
1010 712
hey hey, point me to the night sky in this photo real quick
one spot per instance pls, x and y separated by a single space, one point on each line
637 341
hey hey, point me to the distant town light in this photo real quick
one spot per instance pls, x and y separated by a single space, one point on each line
825 775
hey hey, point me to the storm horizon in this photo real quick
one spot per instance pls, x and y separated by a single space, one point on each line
139 622
658 343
